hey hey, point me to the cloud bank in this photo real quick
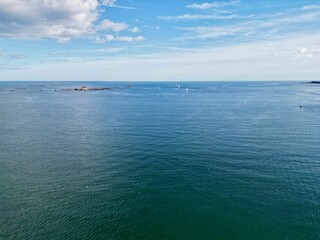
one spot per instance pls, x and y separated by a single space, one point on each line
209 5
287 59
59 20
53 19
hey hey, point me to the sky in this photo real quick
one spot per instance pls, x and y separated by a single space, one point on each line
159 40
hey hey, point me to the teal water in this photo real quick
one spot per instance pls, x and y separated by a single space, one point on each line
224 160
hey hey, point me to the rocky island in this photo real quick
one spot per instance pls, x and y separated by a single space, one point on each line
84 88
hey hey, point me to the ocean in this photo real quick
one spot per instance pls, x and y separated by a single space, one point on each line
187 160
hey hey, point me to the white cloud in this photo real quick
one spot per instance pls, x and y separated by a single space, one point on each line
303 50
113 38
151 27
254 28
129 39
309 53
217 12
112 3
311 7
59 20
113 26
135 30
208 5
109 3
53 19
199 17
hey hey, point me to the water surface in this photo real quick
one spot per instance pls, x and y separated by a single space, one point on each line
222 160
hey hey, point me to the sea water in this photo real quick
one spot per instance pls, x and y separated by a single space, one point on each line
187 160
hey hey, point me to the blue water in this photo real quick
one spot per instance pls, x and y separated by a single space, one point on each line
222 160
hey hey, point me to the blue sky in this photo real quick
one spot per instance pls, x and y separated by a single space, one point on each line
148 40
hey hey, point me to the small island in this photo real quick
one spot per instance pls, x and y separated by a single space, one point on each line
314 82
